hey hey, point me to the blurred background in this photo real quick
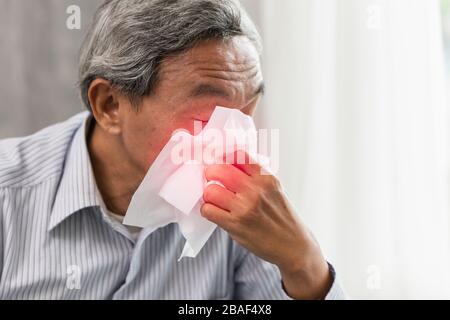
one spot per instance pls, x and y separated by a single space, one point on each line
359 90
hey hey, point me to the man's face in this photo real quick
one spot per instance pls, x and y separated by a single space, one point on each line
191 85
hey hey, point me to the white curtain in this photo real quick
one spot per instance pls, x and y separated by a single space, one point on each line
357 89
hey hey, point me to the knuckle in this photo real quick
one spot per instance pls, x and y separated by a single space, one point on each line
251 209
212 191
207 193
211 171
250 217
270 182
204 209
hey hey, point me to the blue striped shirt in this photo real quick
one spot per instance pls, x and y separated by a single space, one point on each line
58 242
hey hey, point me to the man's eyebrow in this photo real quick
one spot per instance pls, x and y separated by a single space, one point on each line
210 90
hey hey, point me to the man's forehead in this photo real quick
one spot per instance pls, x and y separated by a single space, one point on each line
237 54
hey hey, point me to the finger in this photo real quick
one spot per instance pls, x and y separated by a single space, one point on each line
231 177
219 196
217 215
246 163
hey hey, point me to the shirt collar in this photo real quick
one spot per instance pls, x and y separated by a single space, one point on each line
77 188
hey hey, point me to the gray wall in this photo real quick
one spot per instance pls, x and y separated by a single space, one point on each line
38 62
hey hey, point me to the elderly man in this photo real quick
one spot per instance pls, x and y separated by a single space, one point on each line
148 67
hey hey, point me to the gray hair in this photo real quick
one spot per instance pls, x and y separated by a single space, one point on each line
129 39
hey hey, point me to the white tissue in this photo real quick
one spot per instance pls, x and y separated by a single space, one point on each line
173 192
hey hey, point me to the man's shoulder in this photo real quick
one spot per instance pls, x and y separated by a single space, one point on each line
30 160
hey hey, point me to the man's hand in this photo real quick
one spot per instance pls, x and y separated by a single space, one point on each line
253 209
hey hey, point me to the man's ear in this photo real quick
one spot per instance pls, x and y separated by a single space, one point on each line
104 100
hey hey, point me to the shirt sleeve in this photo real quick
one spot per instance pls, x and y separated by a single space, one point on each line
256 279
2 235
336 291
